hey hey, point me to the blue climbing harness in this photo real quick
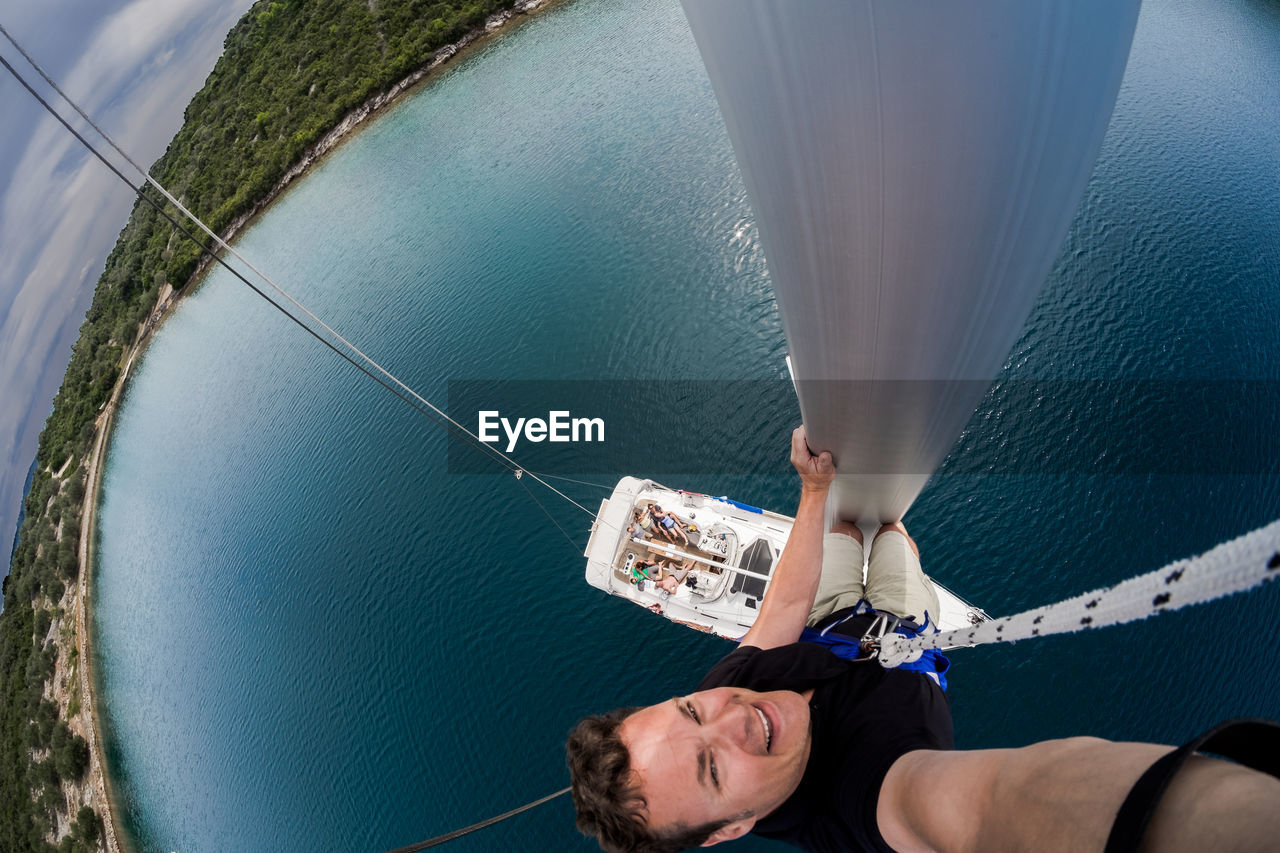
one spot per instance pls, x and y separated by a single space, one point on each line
931 663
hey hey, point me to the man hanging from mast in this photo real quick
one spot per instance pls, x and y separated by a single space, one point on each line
792 737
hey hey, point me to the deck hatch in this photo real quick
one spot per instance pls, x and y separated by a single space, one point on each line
757 558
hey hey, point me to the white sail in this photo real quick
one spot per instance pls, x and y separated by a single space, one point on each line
913 167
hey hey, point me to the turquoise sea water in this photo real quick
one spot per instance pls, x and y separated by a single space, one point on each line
314 637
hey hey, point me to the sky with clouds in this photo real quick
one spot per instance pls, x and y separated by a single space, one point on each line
133 65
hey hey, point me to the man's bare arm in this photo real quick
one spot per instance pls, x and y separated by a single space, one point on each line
790 596
1064 795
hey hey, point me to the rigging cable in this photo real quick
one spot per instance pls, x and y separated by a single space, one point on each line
400 389
458 833
395 386
1235 566
545 512
580 482
206 249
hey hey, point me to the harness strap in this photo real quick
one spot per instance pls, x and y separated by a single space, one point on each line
932 663
1252 742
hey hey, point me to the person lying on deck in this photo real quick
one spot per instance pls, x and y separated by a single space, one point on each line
664 573
673 575
647 569
668 525
795 741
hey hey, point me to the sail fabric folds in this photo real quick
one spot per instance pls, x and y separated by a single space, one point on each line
913 167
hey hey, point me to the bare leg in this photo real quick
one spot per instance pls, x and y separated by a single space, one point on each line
897 525
848 528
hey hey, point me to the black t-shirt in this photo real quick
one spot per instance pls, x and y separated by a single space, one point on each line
863 718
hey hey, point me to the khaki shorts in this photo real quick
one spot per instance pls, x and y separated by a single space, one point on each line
895 582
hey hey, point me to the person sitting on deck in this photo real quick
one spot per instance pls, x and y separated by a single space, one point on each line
641 525
668 525
794 741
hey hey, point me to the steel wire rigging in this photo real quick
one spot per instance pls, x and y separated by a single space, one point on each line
352 354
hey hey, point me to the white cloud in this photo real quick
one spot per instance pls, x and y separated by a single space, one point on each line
126 46
62 209
125 67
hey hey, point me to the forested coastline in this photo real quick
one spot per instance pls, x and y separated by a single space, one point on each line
291 73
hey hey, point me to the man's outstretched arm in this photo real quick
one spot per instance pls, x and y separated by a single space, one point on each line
1064 795
790 596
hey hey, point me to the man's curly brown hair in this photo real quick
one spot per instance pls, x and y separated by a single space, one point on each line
610 806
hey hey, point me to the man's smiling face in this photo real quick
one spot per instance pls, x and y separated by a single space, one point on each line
720 754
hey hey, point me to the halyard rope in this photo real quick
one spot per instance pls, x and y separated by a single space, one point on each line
1241 564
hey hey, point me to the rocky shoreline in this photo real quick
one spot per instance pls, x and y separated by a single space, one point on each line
360 114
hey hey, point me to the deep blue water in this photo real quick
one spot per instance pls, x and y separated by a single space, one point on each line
314 637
